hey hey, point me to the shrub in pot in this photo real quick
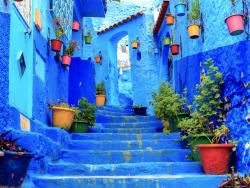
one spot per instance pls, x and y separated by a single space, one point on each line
194 17
100 94
209 110
140 110
236 181
88 38
235 22
69 52
56 44
84 116
62 115
14 161
180 8
167 106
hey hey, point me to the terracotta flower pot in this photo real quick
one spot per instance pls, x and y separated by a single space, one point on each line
100 100
180 9
170 19
56 45
175 48
62 117
167 41
98 59
194 31
66 60
134 44
75 26
235 24
215 158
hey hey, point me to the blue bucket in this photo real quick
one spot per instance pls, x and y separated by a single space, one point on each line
180 9
13 168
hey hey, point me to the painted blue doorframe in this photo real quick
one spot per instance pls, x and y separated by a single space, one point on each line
81 81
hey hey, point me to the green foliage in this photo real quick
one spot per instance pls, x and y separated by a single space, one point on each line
195 14
59 32
100 89
60 103
209 107
166 102
71 49
181 1
85 112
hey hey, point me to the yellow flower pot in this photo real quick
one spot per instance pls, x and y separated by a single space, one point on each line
194 31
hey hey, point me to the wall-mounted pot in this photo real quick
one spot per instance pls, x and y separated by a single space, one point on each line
169 19
75 26
134 44
167 41
194 31
235 24
175 48
180 9
98 59
66 60
88 39
56 45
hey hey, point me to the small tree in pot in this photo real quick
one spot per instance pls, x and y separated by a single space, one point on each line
85 116
194 17
100 94
14 161
56 44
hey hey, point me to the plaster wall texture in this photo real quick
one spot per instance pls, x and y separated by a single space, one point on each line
230 54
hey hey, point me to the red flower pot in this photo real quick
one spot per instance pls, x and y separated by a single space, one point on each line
235 24
66 60
215 158
75 26
175 48
56 45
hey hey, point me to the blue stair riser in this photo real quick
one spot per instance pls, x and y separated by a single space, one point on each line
178 181
157 124
135 169
124 130
133 156
125 145
124 136
110 113
123 119
112 109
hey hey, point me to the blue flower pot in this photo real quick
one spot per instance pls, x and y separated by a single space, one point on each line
13 168
180 9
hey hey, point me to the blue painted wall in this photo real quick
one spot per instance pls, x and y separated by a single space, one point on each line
230 54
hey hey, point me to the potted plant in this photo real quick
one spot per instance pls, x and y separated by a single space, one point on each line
75 26
209 110
62 115
194 17
175 48
166 41
215 157
100 94
235 22
140 110
84 116
98 58
167 106
135 44
180 8
69 52
14 161
169 19
236 181
88 38
56 44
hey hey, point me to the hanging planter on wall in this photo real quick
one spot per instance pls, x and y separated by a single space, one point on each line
170 19
194 17
180 8
88 38
69 52
75 26
175 49
66 60
235 24
56 45
134 44
98 59
166 41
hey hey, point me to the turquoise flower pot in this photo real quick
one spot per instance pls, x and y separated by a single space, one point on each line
180 9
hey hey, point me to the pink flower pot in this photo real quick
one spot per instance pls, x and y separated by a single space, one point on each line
66 60
235 24
75 26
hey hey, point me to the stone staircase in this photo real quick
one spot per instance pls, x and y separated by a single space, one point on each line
125 151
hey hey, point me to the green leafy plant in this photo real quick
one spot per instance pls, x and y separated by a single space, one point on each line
166 102
181 1
59 32
100 89
85 112
7 143
195 13
60 103
73 45
208 111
